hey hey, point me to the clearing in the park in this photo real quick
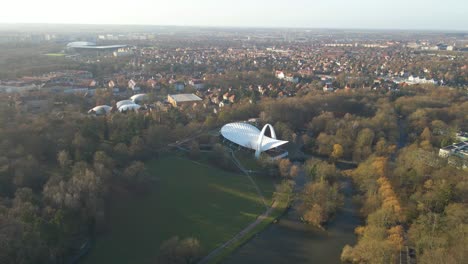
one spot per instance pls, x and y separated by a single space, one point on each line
188 199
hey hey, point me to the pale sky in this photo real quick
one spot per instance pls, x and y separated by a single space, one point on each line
369 14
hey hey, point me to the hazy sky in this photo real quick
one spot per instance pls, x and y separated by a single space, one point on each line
388 14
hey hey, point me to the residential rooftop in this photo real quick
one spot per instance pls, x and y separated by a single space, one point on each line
459 149
185 97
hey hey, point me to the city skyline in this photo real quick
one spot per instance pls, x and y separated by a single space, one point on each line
366 14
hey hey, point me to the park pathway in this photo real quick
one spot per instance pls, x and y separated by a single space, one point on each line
252 225
239 235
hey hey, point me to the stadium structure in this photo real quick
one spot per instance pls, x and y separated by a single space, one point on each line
248 136
84 47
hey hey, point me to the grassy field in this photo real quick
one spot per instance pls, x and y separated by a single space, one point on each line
246 158
189 199
275 214
55 54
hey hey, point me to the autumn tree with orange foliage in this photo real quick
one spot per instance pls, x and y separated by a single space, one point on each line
389 198
381 240
321 197
320 201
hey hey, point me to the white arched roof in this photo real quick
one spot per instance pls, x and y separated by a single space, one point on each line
139 97
80 44
251 137
124 102
101 109
129 107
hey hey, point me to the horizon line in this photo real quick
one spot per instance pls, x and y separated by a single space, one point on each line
236 27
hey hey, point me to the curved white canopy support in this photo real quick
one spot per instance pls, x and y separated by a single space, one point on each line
260 139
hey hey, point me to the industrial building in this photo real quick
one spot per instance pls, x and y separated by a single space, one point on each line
178 100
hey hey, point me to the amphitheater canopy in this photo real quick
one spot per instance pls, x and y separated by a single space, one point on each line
251 137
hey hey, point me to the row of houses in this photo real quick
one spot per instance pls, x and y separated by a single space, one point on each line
417 80
412 80
154 84
287 77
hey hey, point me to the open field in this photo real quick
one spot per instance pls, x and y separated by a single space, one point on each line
17 60
246 158
189 199
55 54
279 209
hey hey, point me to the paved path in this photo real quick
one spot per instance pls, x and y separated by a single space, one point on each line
251 226
239 235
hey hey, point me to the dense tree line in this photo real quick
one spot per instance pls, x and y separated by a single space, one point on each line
57 175
321 196
414 198
409 196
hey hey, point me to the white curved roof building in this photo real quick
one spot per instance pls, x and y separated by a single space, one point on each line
100 110
124 102
139 97
251 137
129 107
92 46
80 44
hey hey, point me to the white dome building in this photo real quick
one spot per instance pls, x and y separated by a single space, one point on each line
139 97
129 107
100 110
124 102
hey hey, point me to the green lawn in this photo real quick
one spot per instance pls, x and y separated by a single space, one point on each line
248 161
55 54
275 214
189 199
